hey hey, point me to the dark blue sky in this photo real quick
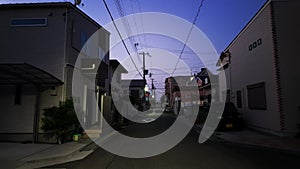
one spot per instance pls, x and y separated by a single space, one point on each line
220 20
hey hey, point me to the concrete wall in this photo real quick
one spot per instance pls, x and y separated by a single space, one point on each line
287 15
251 65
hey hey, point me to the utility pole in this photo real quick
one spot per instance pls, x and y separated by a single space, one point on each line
153 95
144 68
145 71
153 87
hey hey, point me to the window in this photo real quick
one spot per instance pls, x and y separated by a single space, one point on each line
29 22
83 39
75 37
257 96
239 99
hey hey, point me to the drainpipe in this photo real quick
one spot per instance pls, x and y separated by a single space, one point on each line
63 96
36 116
84 106
97 103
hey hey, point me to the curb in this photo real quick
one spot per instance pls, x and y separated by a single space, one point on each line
73 156
254 146
93 145
78 154
218 139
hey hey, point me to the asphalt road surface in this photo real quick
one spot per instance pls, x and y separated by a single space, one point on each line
188 154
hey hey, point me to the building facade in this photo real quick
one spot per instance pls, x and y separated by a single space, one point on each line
261 70
40 43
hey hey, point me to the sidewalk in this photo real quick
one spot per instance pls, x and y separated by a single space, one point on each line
252 138
23 156
11 153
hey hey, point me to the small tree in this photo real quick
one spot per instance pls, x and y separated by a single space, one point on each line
60 121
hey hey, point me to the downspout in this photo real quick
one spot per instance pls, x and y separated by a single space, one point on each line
64 90
36 119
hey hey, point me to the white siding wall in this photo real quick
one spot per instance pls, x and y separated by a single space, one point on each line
251 67
42 47
17 118
46 47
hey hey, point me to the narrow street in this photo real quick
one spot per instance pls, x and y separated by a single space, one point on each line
71 68
189 154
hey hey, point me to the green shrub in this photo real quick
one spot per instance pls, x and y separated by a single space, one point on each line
60 122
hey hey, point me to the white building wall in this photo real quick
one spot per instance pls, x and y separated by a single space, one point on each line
254 66
17 114
16 118
47 47
41 46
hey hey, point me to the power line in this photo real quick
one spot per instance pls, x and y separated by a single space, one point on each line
142 22
189 34
190 52
112 19
135 20
122 14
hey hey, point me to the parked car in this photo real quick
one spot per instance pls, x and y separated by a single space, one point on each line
231 119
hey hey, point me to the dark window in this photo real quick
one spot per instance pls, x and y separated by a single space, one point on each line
83 39
76 38
259 42
250 47
18 94
29 22
257 96
254 44
239 99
